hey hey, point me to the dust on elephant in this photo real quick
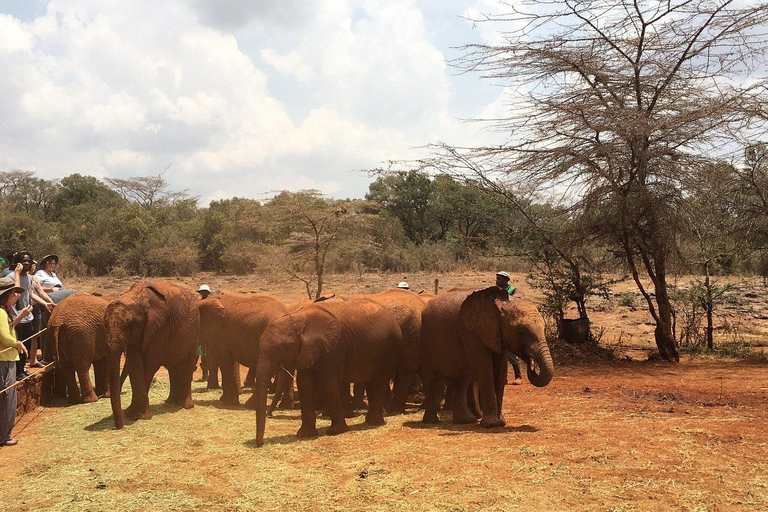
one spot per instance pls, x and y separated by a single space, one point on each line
330 344
230 328
465 333
406 307
155 324
79 339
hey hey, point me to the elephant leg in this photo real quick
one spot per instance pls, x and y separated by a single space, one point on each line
73 392
229 383
378 393
85 386
486 387
285 386
213 374
305 380
139 408
358 391
101 378
250 378
500 368
431 381
332 387
461 413
473 400
403 379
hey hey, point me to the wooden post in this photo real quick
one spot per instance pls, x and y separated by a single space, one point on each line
436 285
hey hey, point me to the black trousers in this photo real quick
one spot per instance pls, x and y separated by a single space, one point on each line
24 331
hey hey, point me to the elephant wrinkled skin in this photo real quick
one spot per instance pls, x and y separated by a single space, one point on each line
465 333
330 344
155 324
79 339
230 329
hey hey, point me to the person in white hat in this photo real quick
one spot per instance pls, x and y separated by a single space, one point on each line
503 281
403 285
204 291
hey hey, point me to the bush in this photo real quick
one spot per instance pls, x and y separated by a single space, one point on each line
627 299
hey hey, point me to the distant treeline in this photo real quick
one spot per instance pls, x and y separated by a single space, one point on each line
407 222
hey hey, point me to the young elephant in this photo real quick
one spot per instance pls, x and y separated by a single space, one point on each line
155 324
230 328
330 344
465 333
79 340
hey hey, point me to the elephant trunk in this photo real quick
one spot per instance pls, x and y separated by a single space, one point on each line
541 356
115 386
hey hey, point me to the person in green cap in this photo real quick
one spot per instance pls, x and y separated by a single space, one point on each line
503 281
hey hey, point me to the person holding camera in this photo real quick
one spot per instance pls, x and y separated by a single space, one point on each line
10 351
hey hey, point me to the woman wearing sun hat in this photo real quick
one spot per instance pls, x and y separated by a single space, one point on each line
10 348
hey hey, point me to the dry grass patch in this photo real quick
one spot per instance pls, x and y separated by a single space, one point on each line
598 438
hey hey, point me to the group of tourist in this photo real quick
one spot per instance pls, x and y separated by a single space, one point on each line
27 291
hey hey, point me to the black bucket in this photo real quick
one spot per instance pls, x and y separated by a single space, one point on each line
574 330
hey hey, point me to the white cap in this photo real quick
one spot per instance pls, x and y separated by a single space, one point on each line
403 285
204 288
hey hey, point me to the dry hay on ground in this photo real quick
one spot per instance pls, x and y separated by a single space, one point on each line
619 435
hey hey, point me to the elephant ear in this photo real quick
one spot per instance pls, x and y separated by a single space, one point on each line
321 331
158 317
480 313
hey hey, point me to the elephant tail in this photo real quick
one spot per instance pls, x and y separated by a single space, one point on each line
55 339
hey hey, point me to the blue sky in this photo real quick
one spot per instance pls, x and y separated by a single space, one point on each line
236 98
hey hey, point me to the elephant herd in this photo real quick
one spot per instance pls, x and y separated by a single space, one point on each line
458 337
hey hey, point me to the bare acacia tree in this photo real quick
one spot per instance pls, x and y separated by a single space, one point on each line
314 223
147 191
616 103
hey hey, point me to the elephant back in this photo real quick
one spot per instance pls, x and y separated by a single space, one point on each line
78 328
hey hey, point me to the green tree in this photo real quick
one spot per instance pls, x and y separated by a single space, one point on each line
624 101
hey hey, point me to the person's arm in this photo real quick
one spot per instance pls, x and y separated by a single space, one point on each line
24 312
7 338
40 275
37 294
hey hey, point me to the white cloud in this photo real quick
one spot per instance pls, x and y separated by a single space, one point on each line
120 88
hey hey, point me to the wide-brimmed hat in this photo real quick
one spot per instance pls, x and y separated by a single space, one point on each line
49 257
204 288
403 285
6 284
503 274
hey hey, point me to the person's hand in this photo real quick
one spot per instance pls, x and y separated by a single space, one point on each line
49 306
21 348
19 268
26 310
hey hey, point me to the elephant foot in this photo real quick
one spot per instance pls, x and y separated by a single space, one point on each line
90 399
135 415
430 418
464 419
73 400
350 413
286 404
188 403
337 428
375 420
102 393
517 382
230 400
213 386
490 421
307 432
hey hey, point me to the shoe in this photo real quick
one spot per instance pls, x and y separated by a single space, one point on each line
23 375
10 442
38 364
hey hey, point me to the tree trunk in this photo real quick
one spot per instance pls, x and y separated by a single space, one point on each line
709 307
665 339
